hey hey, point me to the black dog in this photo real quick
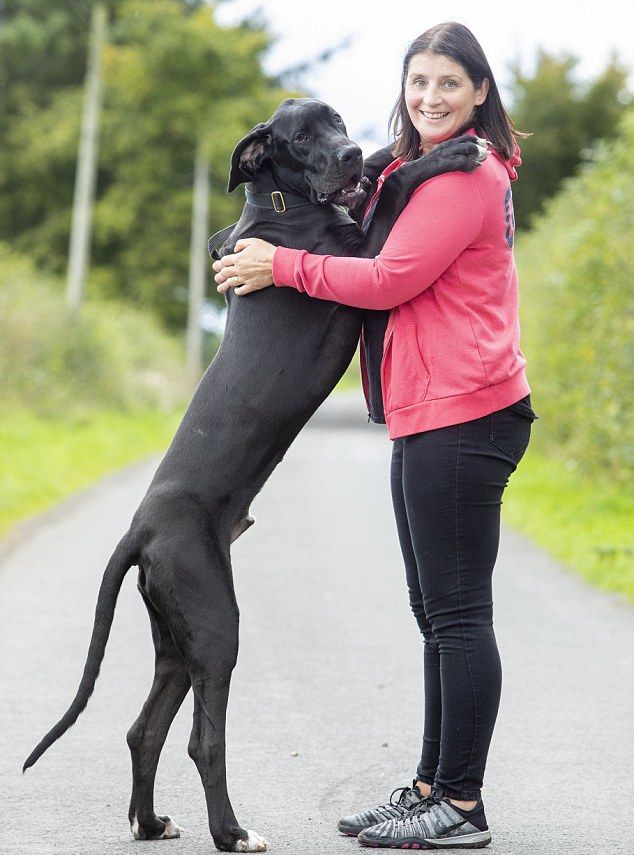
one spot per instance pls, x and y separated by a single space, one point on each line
282 354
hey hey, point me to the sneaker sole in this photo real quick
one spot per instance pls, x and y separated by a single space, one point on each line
478 840
349 832
355 830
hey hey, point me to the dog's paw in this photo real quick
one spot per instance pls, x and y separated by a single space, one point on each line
172 829
253 843
483 148
170 832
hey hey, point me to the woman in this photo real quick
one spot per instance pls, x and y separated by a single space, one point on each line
457 405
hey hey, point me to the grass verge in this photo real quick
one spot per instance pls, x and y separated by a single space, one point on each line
44 460
586 525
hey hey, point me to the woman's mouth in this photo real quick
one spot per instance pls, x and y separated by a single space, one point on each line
434 116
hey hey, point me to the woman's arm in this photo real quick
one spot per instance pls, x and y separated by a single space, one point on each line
441 219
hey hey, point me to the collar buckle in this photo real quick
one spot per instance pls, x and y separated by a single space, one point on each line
279 205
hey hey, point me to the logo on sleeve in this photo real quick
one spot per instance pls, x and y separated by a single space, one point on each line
509 217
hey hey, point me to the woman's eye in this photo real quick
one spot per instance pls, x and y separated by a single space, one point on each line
301 138
338 118
450 84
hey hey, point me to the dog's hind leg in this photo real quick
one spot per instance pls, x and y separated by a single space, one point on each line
207 749
190 581
147 735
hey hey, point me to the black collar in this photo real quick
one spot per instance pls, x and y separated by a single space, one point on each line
276 200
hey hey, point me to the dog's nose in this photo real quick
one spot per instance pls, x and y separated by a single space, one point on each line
348 153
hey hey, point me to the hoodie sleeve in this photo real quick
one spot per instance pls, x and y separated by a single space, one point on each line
441 219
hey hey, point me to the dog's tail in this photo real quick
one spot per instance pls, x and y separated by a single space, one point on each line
122 559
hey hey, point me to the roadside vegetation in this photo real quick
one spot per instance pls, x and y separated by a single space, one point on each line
583 523
45 458
81 395
576 270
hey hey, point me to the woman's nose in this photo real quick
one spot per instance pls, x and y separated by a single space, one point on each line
432 96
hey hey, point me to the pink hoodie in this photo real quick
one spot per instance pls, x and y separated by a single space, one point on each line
447 272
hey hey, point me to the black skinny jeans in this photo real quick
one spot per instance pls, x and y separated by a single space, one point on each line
447 487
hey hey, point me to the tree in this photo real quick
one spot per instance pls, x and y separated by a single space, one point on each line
565 118
174 80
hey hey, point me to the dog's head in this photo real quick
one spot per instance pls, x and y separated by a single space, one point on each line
305 146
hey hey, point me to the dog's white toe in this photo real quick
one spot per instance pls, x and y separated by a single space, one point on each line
254 843
172 829
484 149
134 828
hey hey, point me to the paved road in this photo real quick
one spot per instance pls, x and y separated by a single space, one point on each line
325 706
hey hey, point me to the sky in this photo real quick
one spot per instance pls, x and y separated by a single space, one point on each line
362 81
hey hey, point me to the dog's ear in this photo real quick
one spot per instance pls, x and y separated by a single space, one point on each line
249 155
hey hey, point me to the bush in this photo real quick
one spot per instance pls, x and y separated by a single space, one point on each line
576 270
109 356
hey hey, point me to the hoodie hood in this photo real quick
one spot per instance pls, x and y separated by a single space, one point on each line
512 163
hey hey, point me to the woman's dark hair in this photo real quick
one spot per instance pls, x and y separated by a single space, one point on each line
491 120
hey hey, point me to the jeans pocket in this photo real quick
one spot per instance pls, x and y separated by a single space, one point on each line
510 430
523 407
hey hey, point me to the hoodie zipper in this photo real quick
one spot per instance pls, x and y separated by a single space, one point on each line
386 344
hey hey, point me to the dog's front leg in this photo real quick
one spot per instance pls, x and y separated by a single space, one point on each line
373 166
462 154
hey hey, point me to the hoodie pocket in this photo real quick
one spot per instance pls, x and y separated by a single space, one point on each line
404 374
417 360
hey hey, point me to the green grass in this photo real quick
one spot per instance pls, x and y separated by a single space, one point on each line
44 460
587 525
351 379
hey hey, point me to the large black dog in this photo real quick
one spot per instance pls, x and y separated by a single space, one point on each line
282 354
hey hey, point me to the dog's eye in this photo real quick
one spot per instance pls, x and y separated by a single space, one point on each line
301 138
338 118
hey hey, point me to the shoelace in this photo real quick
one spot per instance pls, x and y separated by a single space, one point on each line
402 791
434 798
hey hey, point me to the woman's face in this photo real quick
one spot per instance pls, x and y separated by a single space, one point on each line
440 97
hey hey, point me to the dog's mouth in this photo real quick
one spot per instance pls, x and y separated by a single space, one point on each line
349 195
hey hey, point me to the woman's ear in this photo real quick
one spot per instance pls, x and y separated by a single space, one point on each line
482 91
249 155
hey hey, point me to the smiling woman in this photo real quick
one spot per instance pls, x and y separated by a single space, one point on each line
440 98
448 376
446 71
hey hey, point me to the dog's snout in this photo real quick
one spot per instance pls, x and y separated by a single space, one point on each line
349 153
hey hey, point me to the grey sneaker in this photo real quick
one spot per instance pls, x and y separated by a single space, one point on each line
401 802
434 824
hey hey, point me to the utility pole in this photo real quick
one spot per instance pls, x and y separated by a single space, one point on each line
197 265
79 249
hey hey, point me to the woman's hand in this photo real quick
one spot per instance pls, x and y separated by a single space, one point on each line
249 268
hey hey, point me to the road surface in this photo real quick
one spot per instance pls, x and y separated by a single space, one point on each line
325 708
